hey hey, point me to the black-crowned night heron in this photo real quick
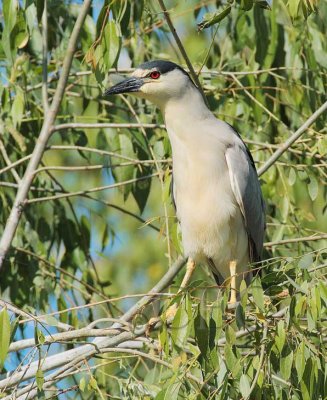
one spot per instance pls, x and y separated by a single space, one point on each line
216 190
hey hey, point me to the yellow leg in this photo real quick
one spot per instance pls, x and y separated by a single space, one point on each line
190 267
171 311
232 269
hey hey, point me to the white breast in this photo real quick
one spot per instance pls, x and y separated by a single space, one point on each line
211 222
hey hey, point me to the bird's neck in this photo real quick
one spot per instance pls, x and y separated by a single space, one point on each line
185 112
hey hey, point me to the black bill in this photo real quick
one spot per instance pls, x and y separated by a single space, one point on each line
127 86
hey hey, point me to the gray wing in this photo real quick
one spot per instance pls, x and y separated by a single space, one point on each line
246 188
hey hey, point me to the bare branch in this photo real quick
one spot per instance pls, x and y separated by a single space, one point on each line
296 240
75 125
10 165
70 358
83 192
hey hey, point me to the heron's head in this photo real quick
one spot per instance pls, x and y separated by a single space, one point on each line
157 81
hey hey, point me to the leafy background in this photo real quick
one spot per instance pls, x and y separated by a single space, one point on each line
99 227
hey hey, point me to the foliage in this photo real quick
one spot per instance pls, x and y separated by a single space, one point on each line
98 228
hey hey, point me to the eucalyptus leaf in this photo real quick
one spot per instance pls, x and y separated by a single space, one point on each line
4 335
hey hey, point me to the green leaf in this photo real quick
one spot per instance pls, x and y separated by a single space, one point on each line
230 335
51 320
39 377
85 232
292 176
246 4
306 261
9 8
281 336
181 322
201 330
212 20
141 188
245 388
257 293
39 336
169 393
82 384
300 360
18 106
286 364
313 188
240 316
20 32
93 383
232 362
4 335
112 43
243 293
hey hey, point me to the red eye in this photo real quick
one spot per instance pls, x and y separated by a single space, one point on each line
155 75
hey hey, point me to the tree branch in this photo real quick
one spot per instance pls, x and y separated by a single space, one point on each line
83 192
81 125
296 240
43 138
86 351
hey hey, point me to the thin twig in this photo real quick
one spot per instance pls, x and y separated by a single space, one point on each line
292 139
10 165
273 116
81 125
296 240
83 192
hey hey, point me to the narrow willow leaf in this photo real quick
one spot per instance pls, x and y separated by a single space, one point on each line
281 336
305 261
230 335
245 386
212 20
313 188
82 384
286 365
17 110
246 4
300 361
240 316
243 293
112 43
4 335
293 7
257 293
93 383
292 176
39 377
50 320
9 10
180 324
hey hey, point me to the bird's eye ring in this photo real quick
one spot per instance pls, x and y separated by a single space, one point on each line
155 75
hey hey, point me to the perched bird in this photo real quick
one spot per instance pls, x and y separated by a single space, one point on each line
216 190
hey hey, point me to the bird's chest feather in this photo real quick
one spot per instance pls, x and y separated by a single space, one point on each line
202 190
